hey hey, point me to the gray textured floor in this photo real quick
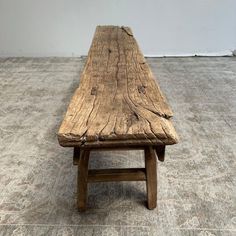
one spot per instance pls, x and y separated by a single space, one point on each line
197 182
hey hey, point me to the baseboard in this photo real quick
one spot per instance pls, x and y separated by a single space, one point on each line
215 54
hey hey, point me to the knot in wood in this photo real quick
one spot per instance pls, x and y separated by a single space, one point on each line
141 89
94 91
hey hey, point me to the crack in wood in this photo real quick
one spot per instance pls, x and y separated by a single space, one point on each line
127 30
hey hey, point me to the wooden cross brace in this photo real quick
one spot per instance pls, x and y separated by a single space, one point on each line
148 174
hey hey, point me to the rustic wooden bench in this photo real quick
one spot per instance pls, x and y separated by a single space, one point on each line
118 105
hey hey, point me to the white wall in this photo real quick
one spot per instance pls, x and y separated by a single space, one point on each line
162 27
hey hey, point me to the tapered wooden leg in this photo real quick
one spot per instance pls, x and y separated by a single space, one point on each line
83 179
151 173
160 150
76 156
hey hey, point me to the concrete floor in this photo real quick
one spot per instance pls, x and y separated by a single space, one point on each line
197 182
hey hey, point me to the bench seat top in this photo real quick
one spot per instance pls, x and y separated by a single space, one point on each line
118 101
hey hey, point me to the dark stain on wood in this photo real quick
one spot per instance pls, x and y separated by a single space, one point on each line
94 91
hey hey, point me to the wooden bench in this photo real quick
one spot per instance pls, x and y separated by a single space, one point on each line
118 105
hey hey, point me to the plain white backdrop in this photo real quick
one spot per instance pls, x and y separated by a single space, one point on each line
162 27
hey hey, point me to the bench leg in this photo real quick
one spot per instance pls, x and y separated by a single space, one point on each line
76 156
151 174
160 150
83 179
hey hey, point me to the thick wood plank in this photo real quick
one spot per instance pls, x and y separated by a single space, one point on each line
111 143
110 175
118 100
151 173
82 180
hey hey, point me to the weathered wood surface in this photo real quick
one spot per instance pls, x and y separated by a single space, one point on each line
118 100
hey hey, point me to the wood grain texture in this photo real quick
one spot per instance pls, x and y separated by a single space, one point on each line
118 100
